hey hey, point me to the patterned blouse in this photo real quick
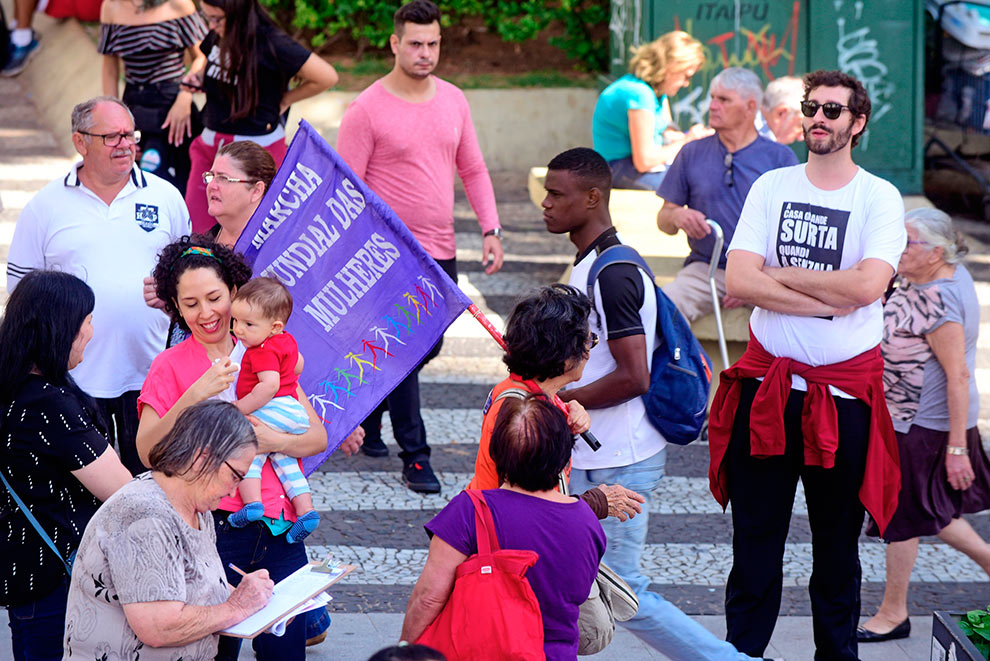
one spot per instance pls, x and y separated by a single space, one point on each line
139 549
914 381
152 53
45 433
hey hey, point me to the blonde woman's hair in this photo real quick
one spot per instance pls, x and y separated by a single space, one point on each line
674 51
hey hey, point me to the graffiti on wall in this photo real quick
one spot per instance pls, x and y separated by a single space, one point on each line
771 50
859 55
624 26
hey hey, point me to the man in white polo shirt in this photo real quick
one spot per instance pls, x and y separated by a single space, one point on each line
105 221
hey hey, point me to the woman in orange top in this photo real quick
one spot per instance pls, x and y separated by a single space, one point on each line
547 344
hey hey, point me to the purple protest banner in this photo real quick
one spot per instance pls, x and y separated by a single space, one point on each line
368 302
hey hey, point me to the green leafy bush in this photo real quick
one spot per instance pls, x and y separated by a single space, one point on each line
369 22
976 626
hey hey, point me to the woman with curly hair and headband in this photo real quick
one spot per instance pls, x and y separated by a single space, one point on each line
196 278
632 127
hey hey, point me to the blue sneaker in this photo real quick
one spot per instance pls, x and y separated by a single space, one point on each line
19 57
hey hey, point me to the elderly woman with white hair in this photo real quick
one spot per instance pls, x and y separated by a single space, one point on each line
148 581
931 322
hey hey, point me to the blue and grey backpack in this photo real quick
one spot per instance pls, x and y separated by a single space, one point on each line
681 371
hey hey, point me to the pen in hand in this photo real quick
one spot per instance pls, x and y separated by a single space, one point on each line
237 569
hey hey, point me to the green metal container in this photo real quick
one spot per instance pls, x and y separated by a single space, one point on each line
880 42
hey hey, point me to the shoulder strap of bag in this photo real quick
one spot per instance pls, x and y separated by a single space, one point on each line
519 393
617 254
34 522
487 538
515 393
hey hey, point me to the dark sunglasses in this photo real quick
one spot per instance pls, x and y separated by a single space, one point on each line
592 341
830 109
727 162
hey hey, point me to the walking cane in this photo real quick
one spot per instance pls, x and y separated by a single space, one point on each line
712 268
588 437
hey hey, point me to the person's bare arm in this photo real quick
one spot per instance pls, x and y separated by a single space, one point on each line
110 74
152 428
317 76
312 441
432 589
174 623
104 476
948 343
261 394
629 379
675 217
746 280
855 287
646 153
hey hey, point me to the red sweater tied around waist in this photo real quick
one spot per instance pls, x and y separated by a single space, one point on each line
860 376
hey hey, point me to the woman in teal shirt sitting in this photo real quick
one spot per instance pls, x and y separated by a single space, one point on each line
632 127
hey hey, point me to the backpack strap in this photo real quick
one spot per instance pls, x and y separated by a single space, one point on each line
617 254
34 523
515 393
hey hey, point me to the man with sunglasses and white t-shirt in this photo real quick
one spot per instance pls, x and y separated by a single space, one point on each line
710 178
814 250
105 221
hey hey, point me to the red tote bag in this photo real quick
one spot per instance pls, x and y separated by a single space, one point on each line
492 613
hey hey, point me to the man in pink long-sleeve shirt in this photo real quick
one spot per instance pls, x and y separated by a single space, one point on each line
404 136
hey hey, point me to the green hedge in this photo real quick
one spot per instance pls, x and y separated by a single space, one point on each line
369 22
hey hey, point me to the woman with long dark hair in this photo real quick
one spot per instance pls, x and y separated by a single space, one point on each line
55 457
249 63
152 37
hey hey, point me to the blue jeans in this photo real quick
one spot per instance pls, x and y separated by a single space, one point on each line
625 175
659 623
317 621
37 629
252 548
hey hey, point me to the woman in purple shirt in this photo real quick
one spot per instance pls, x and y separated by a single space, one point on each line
531 444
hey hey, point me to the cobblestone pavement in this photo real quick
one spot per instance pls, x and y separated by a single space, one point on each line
370 519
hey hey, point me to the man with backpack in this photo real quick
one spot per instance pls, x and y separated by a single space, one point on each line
617 375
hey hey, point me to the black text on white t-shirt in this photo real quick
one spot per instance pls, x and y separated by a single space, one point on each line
810 236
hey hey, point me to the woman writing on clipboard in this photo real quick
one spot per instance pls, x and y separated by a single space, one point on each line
147 573
249 63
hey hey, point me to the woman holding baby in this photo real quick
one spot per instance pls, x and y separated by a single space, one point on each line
196 279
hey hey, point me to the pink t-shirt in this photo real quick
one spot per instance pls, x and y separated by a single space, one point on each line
171 374
406 153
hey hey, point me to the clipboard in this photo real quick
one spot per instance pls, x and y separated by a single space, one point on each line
291 592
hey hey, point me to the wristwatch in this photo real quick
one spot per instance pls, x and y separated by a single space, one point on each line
497 233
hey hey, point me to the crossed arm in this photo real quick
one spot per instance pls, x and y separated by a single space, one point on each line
804 292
